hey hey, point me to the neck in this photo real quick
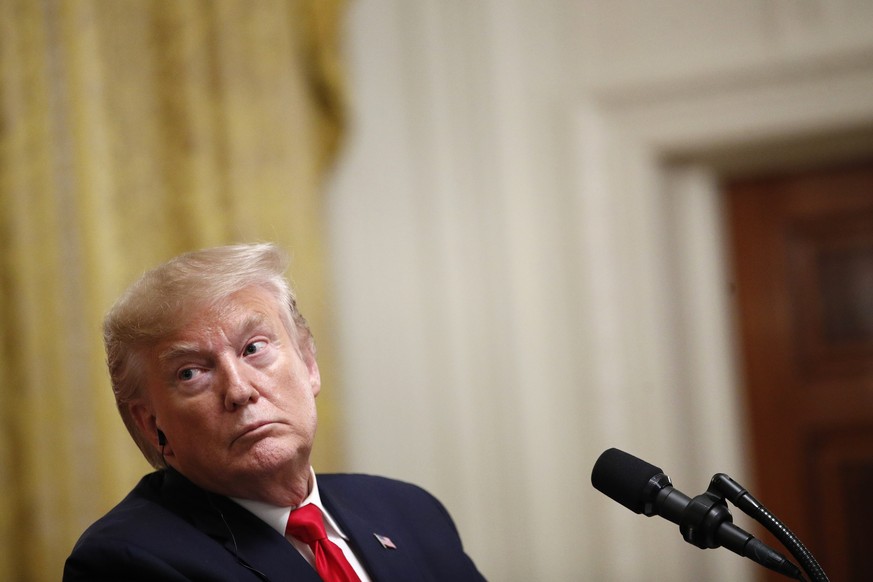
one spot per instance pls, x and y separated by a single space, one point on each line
286 487
290 493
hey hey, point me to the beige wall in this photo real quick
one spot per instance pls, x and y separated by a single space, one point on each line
527 245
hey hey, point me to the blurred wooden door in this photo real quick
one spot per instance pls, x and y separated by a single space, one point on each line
803 268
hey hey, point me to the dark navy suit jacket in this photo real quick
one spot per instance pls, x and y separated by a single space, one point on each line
167 528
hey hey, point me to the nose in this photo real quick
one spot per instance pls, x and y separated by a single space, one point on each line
238 387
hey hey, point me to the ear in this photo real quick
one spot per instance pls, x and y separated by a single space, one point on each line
312 368
145 420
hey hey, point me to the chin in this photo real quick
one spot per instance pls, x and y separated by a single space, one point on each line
270 454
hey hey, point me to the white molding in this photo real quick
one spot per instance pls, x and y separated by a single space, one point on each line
717 111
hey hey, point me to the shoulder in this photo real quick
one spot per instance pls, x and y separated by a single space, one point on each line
142 538
389 500
123 537
135 515
374 489
406 514
361 481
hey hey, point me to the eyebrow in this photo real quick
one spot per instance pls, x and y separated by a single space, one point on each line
178 350
184 349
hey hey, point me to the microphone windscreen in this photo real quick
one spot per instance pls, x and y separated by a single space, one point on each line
623 477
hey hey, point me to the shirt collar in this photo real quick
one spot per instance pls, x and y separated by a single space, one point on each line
277 517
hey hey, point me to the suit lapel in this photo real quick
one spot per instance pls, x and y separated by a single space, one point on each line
256 545
382 563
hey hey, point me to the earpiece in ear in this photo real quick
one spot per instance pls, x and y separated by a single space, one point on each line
162 438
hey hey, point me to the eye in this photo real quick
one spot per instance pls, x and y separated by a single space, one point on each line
187 374
254 347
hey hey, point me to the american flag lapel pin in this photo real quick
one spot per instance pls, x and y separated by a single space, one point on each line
385 541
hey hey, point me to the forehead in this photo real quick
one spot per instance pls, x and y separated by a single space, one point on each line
239 313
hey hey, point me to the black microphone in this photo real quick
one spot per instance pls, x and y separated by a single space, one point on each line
704 521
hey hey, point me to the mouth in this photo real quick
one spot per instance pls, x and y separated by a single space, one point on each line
253 429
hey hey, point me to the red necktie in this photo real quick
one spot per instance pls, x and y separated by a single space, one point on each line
306 525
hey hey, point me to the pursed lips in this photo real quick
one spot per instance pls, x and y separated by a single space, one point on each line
249 428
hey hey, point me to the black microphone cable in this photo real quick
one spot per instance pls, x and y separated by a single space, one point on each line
740 497
239 559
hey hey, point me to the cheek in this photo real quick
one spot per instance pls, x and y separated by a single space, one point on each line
191 416
296 400
288 381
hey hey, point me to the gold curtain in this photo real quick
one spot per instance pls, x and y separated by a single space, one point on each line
130 131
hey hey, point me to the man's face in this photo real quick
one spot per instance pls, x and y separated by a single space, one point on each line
234 394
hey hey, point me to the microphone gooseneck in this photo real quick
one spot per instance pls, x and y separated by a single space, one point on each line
740 497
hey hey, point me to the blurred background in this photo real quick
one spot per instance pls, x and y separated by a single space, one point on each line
524 232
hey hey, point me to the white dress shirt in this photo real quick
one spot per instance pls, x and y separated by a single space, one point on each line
277 518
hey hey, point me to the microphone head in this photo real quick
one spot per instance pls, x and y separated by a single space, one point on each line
624 478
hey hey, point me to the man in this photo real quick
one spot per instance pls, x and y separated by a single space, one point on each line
214 374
